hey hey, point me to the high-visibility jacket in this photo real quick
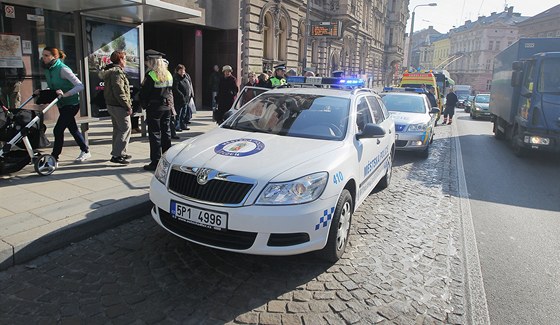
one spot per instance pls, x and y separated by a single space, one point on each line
276 82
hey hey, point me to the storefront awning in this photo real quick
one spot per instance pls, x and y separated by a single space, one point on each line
122 10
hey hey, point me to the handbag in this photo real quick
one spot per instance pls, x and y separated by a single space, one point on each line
192 106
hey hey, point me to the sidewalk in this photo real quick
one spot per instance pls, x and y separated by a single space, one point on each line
39 214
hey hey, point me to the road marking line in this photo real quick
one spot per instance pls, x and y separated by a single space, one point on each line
476 296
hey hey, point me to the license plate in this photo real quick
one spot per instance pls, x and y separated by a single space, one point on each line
201 217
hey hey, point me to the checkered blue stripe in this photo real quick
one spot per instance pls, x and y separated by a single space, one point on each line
324 220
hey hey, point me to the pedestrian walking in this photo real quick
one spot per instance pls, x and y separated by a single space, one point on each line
226 93
450 101
61 78
214 84
182 94
156 96
252 82
119 105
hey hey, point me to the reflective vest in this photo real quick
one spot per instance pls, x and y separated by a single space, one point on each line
161 84
275 82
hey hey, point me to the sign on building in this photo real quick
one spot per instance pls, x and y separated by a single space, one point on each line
325 28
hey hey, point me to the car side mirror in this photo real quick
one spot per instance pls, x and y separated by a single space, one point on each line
371 131
434 110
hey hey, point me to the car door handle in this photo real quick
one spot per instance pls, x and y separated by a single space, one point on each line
378 141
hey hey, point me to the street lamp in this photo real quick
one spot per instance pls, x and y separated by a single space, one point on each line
433 4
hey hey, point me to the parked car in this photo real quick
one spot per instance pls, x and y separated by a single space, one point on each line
282 175
414 118
480 106
468 103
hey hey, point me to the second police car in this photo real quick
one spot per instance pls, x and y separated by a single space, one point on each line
414 118
282 175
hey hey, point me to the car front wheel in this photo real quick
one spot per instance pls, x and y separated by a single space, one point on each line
340 228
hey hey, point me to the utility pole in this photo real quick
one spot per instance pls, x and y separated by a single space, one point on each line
307 33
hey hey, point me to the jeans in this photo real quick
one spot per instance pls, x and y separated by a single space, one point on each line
184 115
214 95
159 133
67 120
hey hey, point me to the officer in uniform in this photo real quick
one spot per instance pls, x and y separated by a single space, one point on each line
278 79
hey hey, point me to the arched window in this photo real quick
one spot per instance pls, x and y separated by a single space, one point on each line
268 39
301 43
282 39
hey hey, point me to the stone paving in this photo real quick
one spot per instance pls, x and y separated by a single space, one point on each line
404 265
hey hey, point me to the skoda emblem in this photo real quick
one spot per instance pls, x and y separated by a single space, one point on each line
202 176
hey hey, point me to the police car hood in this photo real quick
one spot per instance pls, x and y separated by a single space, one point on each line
405 118
255 155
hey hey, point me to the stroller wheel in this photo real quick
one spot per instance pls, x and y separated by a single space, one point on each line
45 165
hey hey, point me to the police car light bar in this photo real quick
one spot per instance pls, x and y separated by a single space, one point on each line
404 89
347 82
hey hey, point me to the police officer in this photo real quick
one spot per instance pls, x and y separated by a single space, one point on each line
278 79
157 97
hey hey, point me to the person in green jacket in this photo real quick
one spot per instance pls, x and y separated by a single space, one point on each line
61 78
278 79
119 105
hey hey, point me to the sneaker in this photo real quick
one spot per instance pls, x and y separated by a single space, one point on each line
120 160
83 156
127 157
150 167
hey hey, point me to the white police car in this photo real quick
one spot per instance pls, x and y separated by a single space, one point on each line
280 176
414 118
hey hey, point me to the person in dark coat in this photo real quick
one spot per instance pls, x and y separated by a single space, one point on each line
451 101
226 93
156 96
432 96
182 93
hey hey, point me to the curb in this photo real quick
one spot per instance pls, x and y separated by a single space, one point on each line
95 223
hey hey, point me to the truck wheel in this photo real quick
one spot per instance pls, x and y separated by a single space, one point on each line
517 149
497 133
340 229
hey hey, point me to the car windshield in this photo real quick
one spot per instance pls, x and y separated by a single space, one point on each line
295 115
482 98
404 103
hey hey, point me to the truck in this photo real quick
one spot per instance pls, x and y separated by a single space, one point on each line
463 92
525 95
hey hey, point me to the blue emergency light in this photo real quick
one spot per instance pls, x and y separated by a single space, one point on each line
404 89
332 81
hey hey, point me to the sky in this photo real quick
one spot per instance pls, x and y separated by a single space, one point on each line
449 13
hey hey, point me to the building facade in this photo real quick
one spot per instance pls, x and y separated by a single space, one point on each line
421 44
369 42
475 44
246 34
545 24
440 50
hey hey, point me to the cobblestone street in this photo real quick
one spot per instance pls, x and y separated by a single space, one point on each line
404 265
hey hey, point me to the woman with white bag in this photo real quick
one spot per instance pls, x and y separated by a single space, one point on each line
182 97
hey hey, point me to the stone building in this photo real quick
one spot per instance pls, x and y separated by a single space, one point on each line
475 44
545 24
370 43
421 43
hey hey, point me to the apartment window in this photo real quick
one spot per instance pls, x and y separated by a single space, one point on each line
302 39
282 40
488 65
491 45
497 46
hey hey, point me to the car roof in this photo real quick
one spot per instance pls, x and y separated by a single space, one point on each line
343 93
401 93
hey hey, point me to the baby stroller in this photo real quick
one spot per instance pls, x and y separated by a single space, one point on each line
24 128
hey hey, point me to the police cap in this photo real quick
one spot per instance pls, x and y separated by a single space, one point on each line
154 54
280 67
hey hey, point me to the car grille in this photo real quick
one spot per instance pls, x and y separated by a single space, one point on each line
400 143
399 127
231 239
220 191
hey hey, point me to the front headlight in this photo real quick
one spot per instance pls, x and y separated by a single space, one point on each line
478 108
417 127
302 190
162 170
